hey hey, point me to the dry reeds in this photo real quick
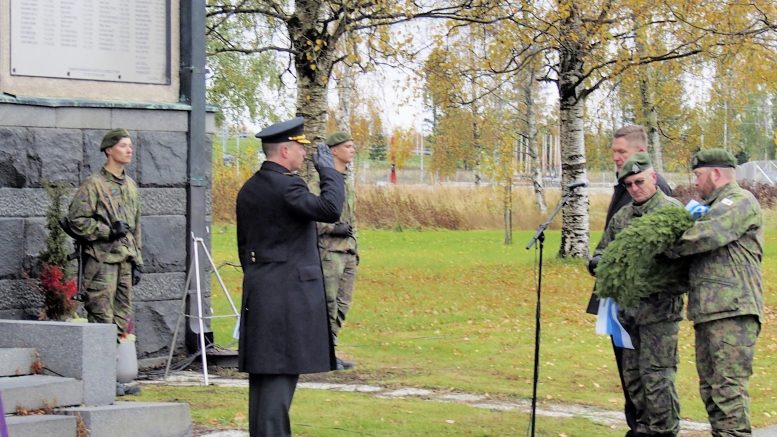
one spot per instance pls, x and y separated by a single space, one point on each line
425 206
441 207
226 184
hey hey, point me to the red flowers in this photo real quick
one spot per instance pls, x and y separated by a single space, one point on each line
58 292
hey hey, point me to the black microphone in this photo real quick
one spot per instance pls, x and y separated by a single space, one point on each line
576 184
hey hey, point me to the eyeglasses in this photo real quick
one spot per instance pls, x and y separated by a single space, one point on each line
638 183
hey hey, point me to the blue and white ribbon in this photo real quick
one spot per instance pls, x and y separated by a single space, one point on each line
607 324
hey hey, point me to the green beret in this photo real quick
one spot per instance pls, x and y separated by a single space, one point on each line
637 163
713 158
338 138
112 137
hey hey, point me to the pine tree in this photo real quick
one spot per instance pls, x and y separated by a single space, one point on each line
55 253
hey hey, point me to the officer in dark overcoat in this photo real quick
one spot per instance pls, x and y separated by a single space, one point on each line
284 326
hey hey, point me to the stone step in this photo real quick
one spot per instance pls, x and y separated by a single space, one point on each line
135 419
33 392
16 361
41 426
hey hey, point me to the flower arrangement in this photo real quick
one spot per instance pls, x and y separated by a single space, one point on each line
55 280
58 292
128 336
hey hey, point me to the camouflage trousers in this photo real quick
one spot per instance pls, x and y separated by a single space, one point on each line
339 277
724 361
108 292
649 375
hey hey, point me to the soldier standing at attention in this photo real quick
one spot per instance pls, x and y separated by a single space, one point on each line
725 301
105 216
626 141
337 243
284 327
650 368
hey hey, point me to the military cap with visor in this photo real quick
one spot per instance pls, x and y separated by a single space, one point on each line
338 138
112 137
285 131
713 158
637 163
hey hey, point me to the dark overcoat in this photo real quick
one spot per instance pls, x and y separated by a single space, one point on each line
284 327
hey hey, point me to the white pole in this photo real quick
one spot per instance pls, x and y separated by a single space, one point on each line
199 308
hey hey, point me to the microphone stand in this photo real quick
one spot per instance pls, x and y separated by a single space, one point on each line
540 236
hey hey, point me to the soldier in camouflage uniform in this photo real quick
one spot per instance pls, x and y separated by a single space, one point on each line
725 301
649 369
337 243
105 215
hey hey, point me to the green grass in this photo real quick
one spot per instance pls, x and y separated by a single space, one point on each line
455 310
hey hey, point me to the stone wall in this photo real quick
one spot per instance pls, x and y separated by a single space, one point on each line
60 143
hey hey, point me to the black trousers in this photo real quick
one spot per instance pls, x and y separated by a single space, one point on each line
269 401
628 408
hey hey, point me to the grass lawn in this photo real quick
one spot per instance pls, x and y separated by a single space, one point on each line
455 310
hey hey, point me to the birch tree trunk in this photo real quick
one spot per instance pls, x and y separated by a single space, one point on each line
345 84
531 143
653 135
574 228
313 61
649 111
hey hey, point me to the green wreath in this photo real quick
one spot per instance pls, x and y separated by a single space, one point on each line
632 266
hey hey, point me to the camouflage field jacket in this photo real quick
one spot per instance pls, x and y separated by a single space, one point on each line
726 248
101 200
664 305
327 241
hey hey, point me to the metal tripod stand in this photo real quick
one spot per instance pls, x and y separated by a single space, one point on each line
198 243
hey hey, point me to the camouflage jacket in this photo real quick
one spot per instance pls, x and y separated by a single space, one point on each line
726 247
664 305
328 242
101 200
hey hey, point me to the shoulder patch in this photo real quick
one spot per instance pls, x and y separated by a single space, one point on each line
727 201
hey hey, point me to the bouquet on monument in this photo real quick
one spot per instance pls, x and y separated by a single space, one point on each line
58 292
633 267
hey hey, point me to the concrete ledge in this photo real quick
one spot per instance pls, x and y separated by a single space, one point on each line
85 351
150 120
15 115
80 118
135 419
33 392
16 361
41 426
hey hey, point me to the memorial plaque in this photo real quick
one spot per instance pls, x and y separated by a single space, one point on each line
106 40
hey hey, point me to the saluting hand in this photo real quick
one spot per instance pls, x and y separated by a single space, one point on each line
323 158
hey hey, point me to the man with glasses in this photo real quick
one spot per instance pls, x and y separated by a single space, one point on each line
725 302
626 141
649 369
284 328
